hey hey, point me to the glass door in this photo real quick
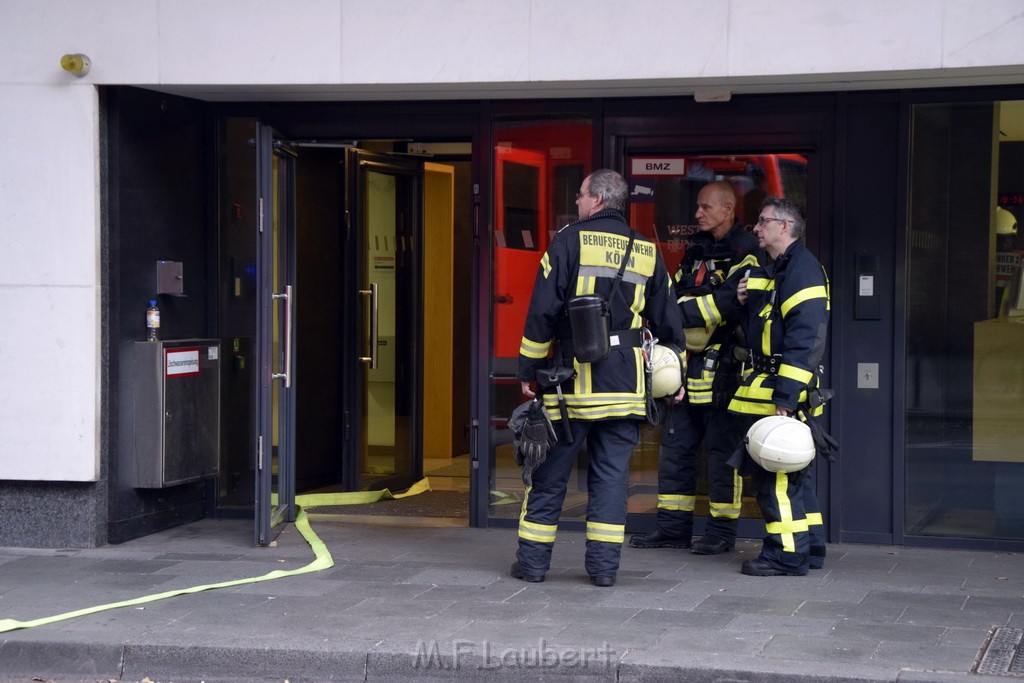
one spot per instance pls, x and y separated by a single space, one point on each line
383 446
255 311
664 181
275 495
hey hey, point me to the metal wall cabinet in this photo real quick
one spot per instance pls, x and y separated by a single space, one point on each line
176 411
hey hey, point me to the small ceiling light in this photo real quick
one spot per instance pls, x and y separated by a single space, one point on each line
77 64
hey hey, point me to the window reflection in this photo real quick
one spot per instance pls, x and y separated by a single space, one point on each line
538 167
965 322
663 204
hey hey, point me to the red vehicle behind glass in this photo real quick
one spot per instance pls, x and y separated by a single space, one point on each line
538 171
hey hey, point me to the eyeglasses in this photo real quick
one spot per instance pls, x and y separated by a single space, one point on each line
761 220
579 195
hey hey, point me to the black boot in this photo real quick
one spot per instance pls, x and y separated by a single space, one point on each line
658 539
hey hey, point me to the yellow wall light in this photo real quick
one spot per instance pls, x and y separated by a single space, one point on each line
77 64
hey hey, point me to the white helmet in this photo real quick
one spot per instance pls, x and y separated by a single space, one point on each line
666 371
780 444
697 338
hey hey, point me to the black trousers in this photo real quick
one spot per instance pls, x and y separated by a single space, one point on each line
686 426
609 444
794 533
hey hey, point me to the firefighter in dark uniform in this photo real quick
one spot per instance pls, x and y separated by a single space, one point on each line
606 400
787 317
715 261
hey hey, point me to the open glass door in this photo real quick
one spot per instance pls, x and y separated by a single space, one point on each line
275 495
383 445
255 310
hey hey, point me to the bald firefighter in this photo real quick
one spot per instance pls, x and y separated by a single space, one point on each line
716 258
604 400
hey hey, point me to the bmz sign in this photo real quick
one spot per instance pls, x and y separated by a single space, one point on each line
641 166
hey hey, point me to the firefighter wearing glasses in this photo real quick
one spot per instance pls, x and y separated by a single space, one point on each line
715 260
606 399
787 317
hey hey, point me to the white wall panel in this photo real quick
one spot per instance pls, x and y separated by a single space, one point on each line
49 386
436 41
119 36
642 39
49 216
813 37
250 41
49 283
459 43
983 32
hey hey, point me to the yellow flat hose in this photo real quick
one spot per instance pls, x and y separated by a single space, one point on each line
323 559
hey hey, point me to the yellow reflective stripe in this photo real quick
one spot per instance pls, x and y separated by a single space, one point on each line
636 306
584 376
762 283
799 374
698 384
756 389
814 519
607 533
750 408
585 284
725 510
818 292
545 265
636 409
766 338
784 526
672 501
708 310
533 349
531 531
585 400
541 533
749 261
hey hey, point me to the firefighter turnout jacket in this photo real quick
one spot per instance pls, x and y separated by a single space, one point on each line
584 258
607 398
706 285
787 318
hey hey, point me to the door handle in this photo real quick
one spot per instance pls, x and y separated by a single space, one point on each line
372 358
288 302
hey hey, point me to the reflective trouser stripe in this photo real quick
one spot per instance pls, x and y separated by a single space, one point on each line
725 510
531 531
732 509
785 526
671 501
607 533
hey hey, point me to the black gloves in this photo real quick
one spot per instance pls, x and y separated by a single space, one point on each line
533 436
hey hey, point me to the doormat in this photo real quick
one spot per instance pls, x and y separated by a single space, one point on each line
426 504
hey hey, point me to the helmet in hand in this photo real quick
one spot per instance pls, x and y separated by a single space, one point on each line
666 371
780 444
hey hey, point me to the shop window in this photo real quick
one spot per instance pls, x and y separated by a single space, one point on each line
965 322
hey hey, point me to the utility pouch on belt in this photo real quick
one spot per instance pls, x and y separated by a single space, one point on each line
590 320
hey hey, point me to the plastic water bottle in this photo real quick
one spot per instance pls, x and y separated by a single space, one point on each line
152 321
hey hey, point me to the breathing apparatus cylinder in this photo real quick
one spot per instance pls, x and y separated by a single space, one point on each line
589 319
